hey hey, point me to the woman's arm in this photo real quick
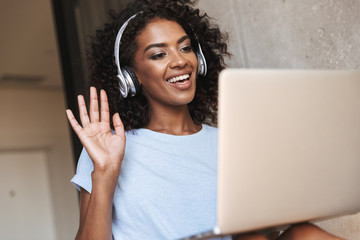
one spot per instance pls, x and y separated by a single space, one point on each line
302 231
96 209
106 150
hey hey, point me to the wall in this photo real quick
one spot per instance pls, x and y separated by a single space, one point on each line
33 119
90 16
307 34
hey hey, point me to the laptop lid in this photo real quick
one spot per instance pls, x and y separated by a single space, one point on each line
289 147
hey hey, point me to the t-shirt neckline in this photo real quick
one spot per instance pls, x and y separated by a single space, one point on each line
145 131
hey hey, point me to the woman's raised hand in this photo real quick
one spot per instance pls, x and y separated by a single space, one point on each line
105 149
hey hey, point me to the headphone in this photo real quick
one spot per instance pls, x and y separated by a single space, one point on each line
128 81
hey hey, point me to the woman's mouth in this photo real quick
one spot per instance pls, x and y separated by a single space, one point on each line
181 82
183 79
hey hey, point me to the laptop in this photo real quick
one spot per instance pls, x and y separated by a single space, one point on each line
289 148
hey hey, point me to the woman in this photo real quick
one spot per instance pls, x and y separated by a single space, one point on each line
161 183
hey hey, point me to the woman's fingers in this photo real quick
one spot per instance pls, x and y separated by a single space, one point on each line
118 125
94 105
94 111
74 124
84 117
105 116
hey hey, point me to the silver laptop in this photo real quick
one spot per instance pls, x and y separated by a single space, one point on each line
289 148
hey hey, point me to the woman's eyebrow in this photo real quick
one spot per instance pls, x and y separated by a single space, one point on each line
183 38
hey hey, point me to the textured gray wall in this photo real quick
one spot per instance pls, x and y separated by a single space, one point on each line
308 34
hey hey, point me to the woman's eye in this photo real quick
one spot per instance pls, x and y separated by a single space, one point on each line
186 49
158 56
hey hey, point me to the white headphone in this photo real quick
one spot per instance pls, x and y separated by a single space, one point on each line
128 82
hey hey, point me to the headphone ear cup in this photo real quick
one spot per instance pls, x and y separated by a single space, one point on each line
202 66
200 70
132 80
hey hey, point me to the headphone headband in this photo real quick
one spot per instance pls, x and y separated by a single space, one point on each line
117 44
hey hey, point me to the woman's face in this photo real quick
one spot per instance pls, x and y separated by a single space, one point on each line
165 64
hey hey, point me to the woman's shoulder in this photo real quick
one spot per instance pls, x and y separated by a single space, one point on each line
210 129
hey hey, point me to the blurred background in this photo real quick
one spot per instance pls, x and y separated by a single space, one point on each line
43 68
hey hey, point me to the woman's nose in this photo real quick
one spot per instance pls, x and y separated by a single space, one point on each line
177 60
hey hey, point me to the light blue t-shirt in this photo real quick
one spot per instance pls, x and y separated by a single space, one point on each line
167 185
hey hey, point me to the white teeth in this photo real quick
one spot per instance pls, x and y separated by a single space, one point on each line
179 78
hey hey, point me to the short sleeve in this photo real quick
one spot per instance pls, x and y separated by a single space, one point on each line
85 167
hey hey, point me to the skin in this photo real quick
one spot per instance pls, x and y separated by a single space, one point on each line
106 151
163 52
302 231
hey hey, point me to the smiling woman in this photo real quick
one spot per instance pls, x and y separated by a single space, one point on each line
150 172
159 82
196 30
165 66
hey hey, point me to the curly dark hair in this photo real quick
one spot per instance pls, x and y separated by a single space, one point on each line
134 111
